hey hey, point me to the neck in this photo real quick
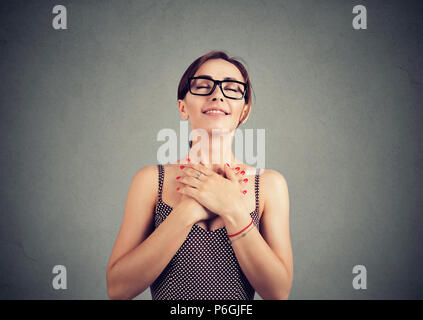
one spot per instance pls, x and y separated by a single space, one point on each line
213 151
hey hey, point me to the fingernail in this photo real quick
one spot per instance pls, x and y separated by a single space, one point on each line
181 167
237 168
244 192
188 159
178 178
242 172
245 180
177 188
228 164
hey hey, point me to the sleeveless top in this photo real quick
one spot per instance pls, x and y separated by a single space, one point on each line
205 266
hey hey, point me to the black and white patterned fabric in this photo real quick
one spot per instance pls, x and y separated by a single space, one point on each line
205 266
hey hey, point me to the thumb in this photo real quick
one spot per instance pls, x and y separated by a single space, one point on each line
230 174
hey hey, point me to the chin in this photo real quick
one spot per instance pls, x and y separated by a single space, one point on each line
219 129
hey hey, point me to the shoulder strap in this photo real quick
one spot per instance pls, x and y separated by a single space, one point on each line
257 182
161 177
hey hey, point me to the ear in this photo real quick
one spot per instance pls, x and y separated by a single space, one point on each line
182 110
245 113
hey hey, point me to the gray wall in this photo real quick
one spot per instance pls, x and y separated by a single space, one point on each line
81 108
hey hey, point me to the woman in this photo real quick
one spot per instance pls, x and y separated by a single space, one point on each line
203 228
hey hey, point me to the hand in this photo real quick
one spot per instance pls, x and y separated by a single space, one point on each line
199 211
223 196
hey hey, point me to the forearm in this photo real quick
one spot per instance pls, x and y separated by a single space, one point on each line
135 271
264 270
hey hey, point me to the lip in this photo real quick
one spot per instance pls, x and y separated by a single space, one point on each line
215 114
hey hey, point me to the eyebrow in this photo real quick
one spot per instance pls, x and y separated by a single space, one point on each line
209 77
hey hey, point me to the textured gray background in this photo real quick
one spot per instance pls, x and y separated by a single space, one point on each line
81 108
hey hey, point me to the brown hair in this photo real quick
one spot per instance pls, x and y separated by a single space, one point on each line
192 69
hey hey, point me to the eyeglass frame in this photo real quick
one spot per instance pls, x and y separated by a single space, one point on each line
217 82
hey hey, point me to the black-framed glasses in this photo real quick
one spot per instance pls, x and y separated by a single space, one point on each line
203 86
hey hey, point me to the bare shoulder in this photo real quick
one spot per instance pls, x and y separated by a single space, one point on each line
146 175
145 182
272 178
274 186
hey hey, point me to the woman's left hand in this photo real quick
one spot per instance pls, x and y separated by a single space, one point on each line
223 196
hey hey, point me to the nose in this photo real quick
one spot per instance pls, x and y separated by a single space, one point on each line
217 94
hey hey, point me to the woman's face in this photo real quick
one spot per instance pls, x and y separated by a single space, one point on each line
193 106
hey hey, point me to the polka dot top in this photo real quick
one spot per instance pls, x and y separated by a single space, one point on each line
205 266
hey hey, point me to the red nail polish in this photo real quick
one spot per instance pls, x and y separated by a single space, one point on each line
237 168
245 180
188 159
177 188
242 172
228 164
178 178
244 192
181 167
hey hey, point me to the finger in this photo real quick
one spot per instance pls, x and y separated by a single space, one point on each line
241 172
242 185
237 169
243 180
189 171
190 181
199 167
189 191
230 174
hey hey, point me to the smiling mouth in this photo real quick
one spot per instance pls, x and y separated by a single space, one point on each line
215 113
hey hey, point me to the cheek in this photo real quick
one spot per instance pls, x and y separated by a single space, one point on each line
192 100
237 111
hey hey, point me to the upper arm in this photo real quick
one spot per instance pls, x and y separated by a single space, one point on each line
274 223
137 220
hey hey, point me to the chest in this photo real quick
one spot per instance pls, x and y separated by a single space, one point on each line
171 197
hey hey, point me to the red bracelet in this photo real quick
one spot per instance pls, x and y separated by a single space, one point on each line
232 235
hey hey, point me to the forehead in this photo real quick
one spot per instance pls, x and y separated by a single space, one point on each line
219 69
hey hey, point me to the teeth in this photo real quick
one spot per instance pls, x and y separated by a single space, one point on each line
215 111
